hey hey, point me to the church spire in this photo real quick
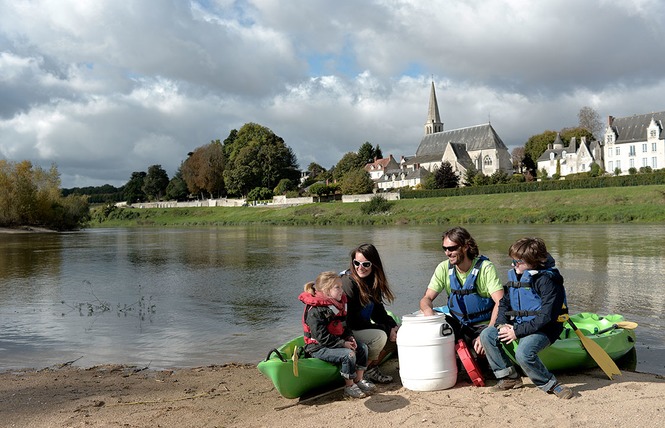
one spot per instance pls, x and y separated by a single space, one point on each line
433 123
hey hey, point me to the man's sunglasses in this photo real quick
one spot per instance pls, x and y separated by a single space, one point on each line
451 248
366 264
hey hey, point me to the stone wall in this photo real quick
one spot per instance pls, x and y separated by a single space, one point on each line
391 196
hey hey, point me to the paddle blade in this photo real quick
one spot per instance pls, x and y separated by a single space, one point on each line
628 325
597 353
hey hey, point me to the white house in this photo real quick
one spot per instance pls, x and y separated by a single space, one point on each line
635 142
573 159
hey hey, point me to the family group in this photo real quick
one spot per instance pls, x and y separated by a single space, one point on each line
345 321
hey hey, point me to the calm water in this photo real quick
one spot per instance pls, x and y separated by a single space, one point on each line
190 297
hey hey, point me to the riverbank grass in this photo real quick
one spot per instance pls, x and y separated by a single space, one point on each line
640 204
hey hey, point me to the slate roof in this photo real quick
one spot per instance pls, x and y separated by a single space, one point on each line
477 137
573 147
634 128
462 154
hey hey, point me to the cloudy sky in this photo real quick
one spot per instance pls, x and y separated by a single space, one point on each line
102 88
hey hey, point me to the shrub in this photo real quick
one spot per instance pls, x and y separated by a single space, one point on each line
377 205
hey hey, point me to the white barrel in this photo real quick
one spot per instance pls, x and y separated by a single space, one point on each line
426 353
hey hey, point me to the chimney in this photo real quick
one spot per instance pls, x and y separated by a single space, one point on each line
610 120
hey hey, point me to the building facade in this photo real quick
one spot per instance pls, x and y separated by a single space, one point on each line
575 158
634 142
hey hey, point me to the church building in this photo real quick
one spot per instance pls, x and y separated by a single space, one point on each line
475 146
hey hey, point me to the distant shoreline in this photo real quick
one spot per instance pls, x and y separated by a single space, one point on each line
26 229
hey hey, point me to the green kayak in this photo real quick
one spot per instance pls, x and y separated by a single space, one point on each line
567 352
295 377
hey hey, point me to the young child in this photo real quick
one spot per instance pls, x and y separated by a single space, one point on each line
528 311
326 334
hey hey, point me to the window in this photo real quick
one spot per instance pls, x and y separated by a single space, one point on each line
487 161
644 148
653 147
644 162
652 133
611 166
631 151
654 164
609 138
632 163
617 151
618 164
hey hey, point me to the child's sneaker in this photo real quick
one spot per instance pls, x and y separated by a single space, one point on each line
354 392
366 386
561 391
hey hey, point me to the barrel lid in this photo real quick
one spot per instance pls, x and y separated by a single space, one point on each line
469 363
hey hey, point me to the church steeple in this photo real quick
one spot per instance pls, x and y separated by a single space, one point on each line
433 123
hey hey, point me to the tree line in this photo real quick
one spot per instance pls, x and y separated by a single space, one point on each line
252 162
30 196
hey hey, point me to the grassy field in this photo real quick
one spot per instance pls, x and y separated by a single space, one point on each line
640 204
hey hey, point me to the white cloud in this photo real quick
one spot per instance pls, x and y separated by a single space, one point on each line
106 88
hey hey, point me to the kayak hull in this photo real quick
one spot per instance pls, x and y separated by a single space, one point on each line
567 353
312 373
293 379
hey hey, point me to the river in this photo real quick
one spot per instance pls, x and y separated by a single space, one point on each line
198 296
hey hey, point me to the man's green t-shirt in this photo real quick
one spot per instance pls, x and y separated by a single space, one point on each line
487 282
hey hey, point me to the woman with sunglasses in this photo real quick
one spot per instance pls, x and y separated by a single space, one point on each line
367 290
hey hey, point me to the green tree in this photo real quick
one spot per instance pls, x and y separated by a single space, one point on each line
499 177
155 182
596 171
30 196
356 182
537 144
542 174
257 158
134 188
470 175
259 194
567 134
316 173
349 162
285 185
445 177
320 189
177 188
481 180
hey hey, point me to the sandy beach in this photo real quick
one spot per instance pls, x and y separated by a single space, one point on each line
237 395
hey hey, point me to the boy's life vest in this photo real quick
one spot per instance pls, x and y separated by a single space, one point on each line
464 302
336 319
524 301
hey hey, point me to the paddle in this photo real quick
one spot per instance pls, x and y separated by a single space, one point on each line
295 360
628 325
597 353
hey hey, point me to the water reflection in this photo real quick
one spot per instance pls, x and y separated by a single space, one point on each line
230 294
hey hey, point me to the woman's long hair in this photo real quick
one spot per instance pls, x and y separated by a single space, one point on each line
374 286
